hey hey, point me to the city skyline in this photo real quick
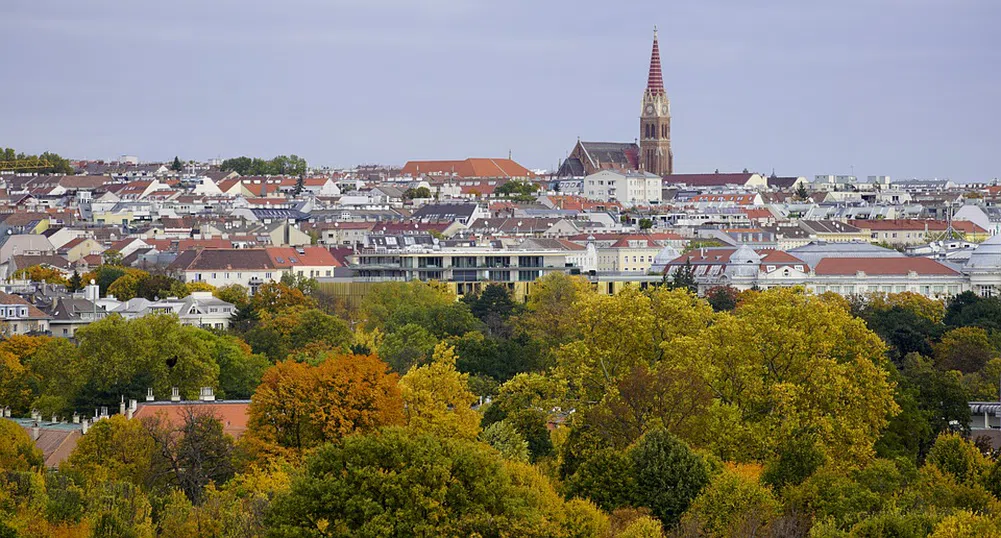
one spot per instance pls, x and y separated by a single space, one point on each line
896 88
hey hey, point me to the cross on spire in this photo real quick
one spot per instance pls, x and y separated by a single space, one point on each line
655 81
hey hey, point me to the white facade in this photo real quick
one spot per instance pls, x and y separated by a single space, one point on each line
633 188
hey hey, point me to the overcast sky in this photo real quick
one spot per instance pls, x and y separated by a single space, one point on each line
907 88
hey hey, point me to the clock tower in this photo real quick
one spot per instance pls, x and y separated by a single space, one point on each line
655 121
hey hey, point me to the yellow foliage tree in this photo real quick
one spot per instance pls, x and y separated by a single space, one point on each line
438 399
786 363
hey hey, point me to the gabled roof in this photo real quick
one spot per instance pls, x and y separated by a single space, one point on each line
621 154
469 168
223 259
285 257
232 414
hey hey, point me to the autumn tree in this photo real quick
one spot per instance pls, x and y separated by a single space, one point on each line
298 407
787 361
550 315
966 349
280 333
437 398
42 273
17 451
235 294
273 297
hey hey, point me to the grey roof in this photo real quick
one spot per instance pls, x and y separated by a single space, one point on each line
987 255
446 212
816 251
610 152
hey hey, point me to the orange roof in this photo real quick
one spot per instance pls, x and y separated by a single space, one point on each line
469 168
310 257
578 203
233 415
216 242
882 266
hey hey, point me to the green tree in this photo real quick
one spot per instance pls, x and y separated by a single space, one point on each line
684 277
967 349
75 282
668 475
646 224
405 483
505 438
415 193
124 358
606 476
723 298
176 165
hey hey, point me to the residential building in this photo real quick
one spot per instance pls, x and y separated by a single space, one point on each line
629 187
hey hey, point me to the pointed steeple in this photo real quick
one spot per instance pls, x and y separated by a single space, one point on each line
655 82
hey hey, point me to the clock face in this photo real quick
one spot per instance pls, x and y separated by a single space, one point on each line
649 109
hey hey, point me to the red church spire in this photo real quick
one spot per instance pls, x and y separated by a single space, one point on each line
655 82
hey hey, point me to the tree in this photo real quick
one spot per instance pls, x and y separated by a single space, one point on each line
684 277
273 297
42 273
801 192
401 482
193 454
958 457
550 316
298 407
115 449
505 438
125 357
17 451
437 398
176 165
732 505
606 477
493 305
112 257
970 310
407 346
415 193
967 349
669 476
646 224
297 329
240 370
75 283
235 294
788 361
723 298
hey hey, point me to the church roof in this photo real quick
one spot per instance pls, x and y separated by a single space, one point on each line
655 80
619 153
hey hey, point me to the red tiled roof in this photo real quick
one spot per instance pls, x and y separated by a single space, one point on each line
469 168
232 415
311 256
882 266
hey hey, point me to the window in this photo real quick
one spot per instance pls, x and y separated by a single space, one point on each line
267 275
213 276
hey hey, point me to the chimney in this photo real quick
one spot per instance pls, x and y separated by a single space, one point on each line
133 405
76 418
36 432
104 412
175 394
207 394
121 407
149 394
86 426
6 412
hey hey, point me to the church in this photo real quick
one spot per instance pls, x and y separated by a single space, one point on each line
652 154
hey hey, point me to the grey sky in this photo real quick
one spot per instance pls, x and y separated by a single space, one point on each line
900 87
